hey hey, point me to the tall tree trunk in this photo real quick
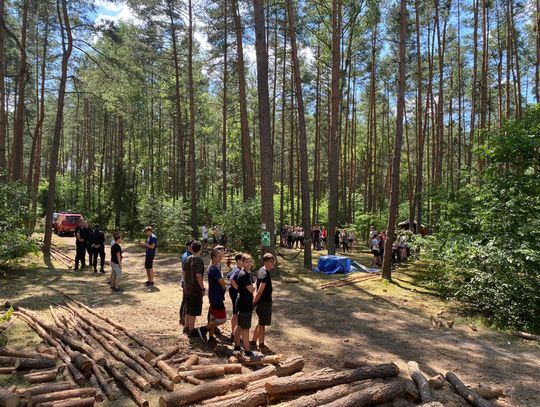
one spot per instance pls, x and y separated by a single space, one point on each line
178 104
265 136
67 46
17 153
3 115
38 133
192 158
537 62
247 162
394 191
302 138
333 164
473 90
317 151
419 125
224 111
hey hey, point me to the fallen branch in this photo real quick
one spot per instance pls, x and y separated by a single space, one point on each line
468 394
526 335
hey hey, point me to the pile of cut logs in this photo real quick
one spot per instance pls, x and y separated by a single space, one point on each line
96 358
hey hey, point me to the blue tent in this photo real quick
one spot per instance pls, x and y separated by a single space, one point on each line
334 264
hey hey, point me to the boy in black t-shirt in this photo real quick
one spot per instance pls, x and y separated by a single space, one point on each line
116 263
263 300
194 289
244 304
233 290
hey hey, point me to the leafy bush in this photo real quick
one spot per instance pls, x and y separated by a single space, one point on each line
168 217
15 238
488 239
242 224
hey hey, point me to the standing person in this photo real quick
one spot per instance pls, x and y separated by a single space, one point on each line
233 291
263 300
204 233
86 235
217 315
324 236
372 233
151 248
382 238
336 238
80 245
98 248
345 240
289 237
375 250
194 288
316 233
351 238
182 310
116 263
245 305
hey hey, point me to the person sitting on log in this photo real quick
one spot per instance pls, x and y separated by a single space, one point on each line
263 300
217 315
194 287
245 305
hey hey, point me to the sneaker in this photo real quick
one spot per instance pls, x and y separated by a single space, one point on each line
253 344
147 282
150 283
203 331
102 271
118 290
217 331
237 348
193 334
248 353
185 330
212 339
263 348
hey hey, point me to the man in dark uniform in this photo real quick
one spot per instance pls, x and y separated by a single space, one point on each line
98 247
86 235
80 246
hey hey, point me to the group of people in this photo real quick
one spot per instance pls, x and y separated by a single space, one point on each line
344 239
377 241
92 242
247 293
292 237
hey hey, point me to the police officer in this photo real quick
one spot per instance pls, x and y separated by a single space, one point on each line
80 244
86 234
98 247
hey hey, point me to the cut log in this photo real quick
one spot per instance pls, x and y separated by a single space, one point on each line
137 396
138 380
287 368
166 383
26 355
61 395
193 380
41 378
46 388
288 385
432 404
85 402
526 335
171 372
209 373
110 392
12 388
166 355
7 370
468 394
260 360
190 361
355 364
253 398
437 382
489 392
8 399
423 386
43 349
376 394
327 395
21 364
151 347
204 391
99 395
229 367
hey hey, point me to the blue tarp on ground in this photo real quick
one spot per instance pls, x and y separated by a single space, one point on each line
334 264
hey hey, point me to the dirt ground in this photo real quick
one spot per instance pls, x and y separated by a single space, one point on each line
372 321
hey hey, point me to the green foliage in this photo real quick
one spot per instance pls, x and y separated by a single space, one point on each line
167 216
489 234
364 221
15 238
242 223
7 315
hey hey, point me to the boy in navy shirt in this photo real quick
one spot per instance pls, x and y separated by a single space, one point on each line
217 315
182 310
244 304
233 290
263 300
151 247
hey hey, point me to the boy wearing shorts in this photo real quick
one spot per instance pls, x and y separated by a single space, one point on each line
233 291
151 247
263 300
244 303
216 296
194 287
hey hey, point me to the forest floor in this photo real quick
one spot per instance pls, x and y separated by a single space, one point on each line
372 321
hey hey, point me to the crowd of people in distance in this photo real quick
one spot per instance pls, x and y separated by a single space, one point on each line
248 291
377 241
292 237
